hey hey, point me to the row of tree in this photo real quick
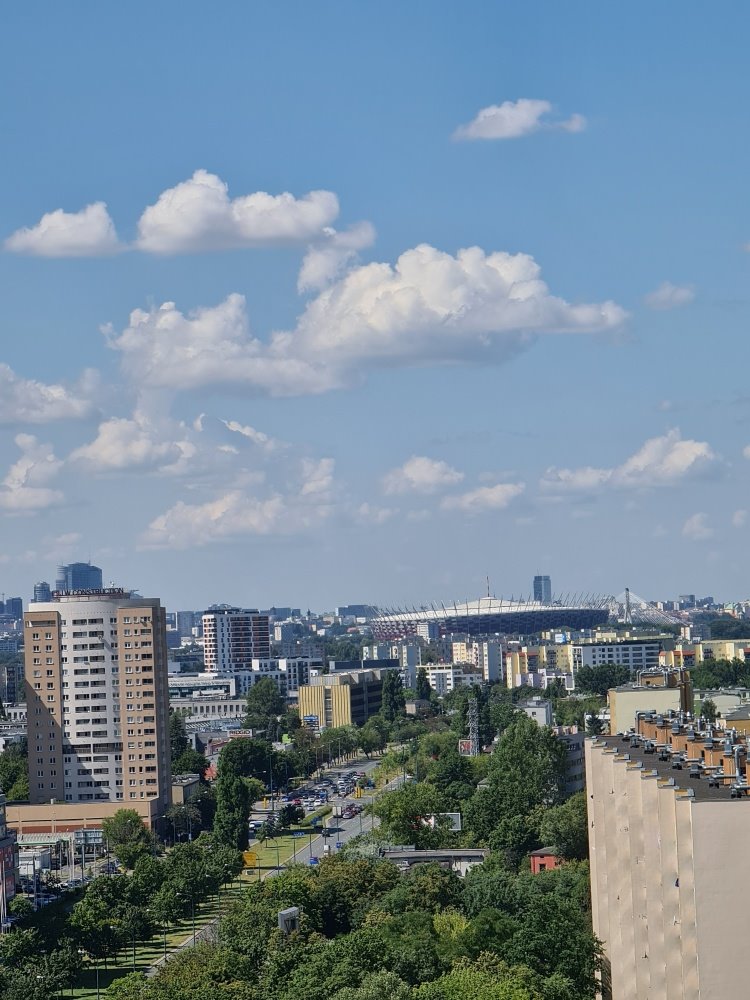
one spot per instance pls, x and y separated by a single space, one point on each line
368 932
44 955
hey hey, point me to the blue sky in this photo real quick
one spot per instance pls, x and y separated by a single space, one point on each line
338 404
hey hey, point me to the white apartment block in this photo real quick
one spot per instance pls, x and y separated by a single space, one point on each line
233 637
288 673
444 679
637 654
97 698
408 655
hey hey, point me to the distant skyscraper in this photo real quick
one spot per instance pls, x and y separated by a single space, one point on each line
78 576
14 607
42 591
542 589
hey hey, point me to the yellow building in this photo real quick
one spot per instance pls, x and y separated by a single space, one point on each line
552 657
342 699
687 654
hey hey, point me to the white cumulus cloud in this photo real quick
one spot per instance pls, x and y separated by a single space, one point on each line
198 215
697 528
24 489
669 296
484 498
88 233
239 512
164 348
31 402
135 443
660 461
420 474
739 518
514 119
430 307
327 259
257 437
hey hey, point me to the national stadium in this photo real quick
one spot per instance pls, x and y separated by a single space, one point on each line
492 615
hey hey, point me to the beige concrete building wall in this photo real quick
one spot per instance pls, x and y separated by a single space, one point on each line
624 704
669 877
96 666
722 876
666 923
654 888
599 785
44 704
685 877
66 817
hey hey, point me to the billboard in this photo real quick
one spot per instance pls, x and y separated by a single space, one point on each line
448 821
465 748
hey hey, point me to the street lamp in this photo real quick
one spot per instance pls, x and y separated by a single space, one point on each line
81 951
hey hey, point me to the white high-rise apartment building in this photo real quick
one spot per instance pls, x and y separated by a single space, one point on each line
233 637
97 698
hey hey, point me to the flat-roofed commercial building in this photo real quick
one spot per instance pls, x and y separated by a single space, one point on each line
669 825
342 699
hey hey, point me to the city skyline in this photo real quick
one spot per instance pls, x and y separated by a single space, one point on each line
357 313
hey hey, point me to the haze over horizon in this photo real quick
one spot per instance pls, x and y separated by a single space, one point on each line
355 303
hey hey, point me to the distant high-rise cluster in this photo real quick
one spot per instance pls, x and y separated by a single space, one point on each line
543 589
12 607
78 576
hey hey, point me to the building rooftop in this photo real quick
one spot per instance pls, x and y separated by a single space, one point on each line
699 787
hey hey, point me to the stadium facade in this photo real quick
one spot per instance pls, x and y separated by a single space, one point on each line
490 616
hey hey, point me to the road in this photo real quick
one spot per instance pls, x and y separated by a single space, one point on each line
346 829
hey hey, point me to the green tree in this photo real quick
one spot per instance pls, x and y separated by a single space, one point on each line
372 737
594 725
14 776
405 816
465 982
376 986
264 704
393 696
127 836
526 776
256 790
248 758
423 689
291 814
599 679
565 827
20 907
709 711
232 807
190 762
185 820
178 740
